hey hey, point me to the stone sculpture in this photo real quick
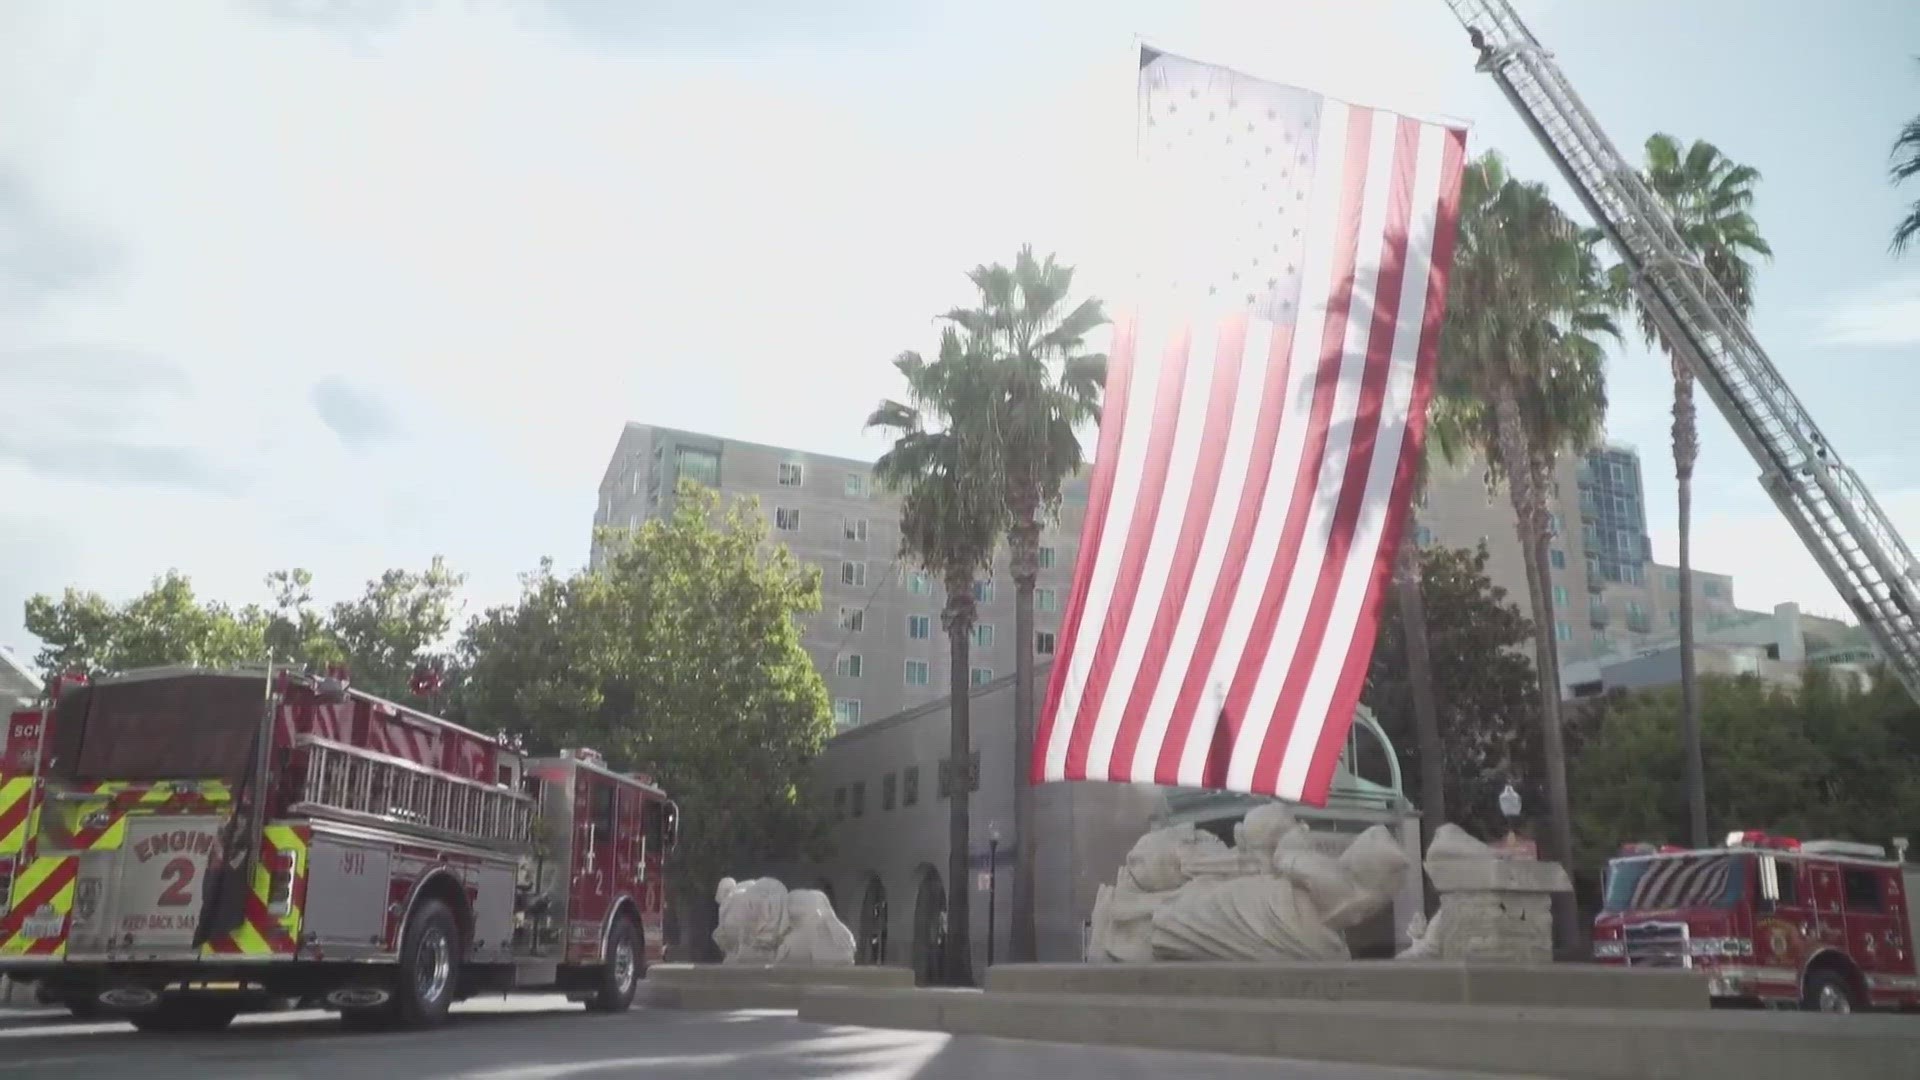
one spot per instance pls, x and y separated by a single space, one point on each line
1183 894
1491 907
761 922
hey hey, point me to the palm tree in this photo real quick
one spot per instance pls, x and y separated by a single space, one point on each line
1527 303
950 518
1906 166
1050 387
1447 439
1709 197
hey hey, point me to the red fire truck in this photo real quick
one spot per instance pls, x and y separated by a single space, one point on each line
182 843
1828 925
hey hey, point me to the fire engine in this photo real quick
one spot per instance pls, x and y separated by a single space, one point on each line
180 844
1828 925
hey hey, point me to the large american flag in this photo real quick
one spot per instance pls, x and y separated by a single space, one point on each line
1265 402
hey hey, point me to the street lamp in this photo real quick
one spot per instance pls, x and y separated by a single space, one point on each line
1510 809
993 866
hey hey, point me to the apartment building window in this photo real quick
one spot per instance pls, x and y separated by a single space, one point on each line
1422 536
889 791
919 627
983 635
1553 524
982 592
847 666
854 574
846 713
859 798
635 489
1559 596
1563 631
1673 618
1558 558
1046 601
786 518
853 619
1634 611
910 785
855 530
1046 557
1043 643
856 486
980 676
919 673
791 473
918 583
633 521
700 466
1713 590
1673 581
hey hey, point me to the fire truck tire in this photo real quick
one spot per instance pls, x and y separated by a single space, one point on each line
1828 990
620 975
429 973
176 1016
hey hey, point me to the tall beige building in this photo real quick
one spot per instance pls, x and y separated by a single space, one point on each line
1610 599
877 638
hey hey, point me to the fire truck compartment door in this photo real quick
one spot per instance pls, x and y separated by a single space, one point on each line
346 894
154 904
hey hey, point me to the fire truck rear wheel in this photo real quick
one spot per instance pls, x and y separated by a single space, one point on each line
429 966
174 1016
620 976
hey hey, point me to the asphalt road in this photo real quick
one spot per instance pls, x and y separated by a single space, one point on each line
549 1039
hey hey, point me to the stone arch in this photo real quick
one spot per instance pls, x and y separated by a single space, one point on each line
929 925
872 922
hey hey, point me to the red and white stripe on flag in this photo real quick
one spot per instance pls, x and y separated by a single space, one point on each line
1266 396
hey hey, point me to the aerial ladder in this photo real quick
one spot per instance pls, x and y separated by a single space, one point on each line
1828 505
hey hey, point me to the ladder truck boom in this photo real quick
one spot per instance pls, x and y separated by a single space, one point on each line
1826 502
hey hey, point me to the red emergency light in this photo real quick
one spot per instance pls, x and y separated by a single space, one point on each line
1758 839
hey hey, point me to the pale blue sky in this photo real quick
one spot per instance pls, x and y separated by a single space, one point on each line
347 284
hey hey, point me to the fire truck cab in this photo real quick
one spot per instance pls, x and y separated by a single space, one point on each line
1826 925
188 843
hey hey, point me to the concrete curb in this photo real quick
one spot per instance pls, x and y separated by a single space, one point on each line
1432 982
1577 1044
725 987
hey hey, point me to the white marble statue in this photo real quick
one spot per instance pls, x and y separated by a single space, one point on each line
761 922
815 935
1185 895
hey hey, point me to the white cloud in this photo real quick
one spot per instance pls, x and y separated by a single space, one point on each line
516 239
1884 315
1768 562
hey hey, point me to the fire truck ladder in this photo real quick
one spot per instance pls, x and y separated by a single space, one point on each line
1826 502
343 781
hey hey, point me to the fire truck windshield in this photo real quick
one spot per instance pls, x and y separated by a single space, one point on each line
188 727
1676 881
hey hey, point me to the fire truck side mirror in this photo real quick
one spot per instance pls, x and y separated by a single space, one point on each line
670 827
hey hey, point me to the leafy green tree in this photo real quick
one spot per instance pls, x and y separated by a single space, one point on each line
682 658
397 624
1050 389
1528 304
943 462
1817 760
1482 681
1710 198
167 624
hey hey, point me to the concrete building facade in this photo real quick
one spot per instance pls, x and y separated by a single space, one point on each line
888 869
877 639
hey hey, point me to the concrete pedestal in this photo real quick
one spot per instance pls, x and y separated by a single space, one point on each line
1494 910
